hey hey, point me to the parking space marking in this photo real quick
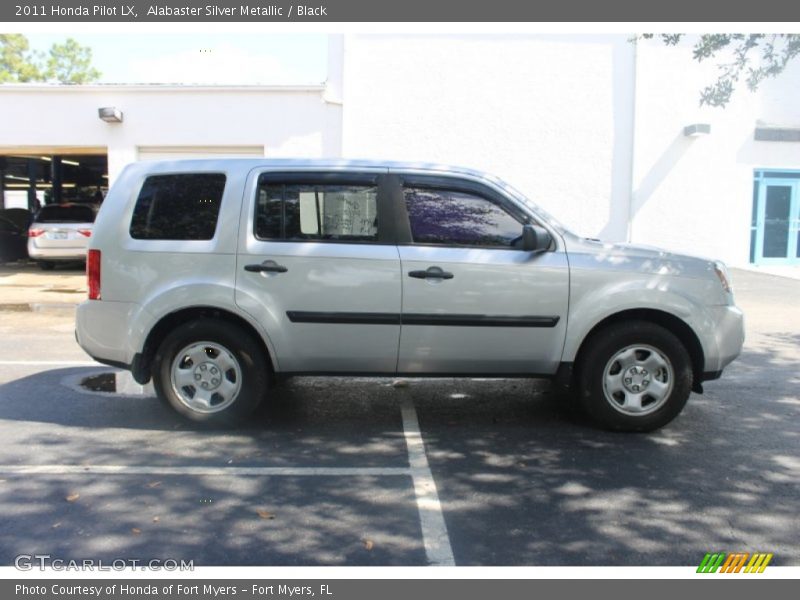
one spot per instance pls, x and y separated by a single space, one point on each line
200 470
436 540
431 517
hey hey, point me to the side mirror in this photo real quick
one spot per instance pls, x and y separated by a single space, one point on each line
535 238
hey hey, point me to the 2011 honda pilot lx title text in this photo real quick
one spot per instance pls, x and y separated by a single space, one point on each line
213 277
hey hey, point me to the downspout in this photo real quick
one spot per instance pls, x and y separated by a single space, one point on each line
629 234
334 93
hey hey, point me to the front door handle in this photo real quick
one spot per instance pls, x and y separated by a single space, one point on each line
431 273
268 266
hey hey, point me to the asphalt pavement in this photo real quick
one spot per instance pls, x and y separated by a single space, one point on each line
356 471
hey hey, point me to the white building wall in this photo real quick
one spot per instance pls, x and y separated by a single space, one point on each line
695 194
550 114
589 126
284 121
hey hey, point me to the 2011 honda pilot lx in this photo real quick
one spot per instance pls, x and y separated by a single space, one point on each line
214 277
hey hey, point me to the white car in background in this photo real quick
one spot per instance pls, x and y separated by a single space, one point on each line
60 233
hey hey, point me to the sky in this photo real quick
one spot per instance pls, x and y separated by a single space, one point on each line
202 58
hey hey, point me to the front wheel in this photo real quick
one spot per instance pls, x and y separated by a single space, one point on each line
211 371
634 376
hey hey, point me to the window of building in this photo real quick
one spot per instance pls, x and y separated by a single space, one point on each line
775 227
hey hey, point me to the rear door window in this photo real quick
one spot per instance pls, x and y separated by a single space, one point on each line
316 211
178 207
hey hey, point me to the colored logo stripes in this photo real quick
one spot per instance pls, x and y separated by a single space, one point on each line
735 562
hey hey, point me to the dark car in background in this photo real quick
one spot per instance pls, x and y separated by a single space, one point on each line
14 224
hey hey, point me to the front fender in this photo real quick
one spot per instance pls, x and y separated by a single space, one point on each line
592 301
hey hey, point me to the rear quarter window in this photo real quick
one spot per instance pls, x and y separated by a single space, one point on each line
178 207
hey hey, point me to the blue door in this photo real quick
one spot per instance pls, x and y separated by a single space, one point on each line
777 220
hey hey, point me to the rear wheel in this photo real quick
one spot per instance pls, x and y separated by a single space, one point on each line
211 371
634 376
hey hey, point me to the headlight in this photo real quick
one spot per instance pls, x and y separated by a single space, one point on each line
722 274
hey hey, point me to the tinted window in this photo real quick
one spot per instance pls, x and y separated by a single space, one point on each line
459 219
308 211
65 213
178 207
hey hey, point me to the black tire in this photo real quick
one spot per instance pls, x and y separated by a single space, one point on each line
45 265
252 381
608 408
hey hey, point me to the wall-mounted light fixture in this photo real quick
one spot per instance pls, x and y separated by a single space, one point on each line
110 114
697 129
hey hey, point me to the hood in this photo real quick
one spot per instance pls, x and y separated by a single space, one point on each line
638 257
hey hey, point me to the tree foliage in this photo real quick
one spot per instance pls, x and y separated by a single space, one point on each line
71 63
751 58
64 63
18 63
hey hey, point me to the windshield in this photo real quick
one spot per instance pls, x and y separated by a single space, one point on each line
512 191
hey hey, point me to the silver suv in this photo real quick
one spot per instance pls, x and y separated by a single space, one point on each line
217 277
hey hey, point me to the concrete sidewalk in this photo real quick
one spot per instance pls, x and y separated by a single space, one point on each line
24 283
790 271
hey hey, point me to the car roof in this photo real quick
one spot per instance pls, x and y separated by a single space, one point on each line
321 163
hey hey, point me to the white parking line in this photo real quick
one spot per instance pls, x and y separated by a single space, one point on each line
199 470
434 529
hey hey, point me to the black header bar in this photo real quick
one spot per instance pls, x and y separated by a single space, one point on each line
333 11
732 586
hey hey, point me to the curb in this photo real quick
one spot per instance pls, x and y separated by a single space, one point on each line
36 306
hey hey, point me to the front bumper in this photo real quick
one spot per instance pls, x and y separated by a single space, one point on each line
728 335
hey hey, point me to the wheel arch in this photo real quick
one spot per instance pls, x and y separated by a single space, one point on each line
143 363
674 324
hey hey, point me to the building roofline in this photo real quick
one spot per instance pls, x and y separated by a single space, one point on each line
155 87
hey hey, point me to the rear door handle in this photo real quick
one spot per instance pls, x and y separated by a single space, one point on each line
431 273
268 266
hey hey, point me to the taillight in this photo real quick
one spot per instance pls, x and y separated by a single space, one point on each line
85 232
35 232
93 274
